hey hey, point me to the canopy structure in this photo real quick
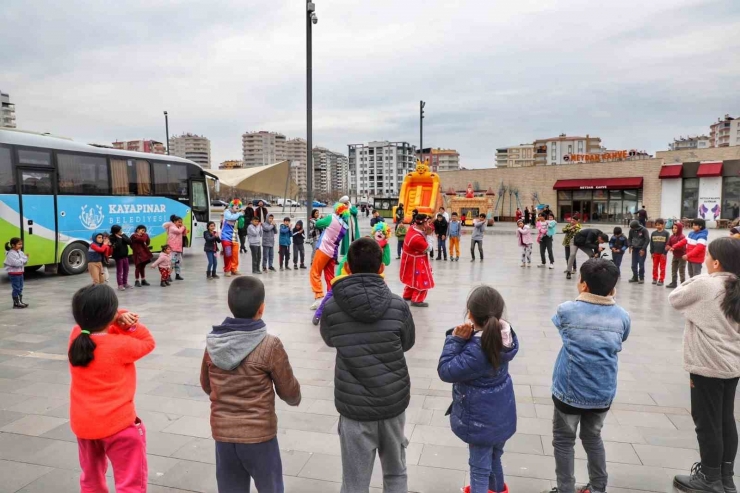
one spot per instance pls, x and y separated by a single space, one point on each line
267 180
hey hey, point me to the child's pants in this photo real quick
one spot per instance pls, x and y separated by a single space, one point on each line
546 245
567 257
256 252
299 251
176 261
678 266
140 270
659 267
441 247
238 463
454 246
212 262
415 295
617 259
486 472
638 264
713 407
17 283
359 440
164 273
526 256
564 429
127 453
327 265
268 254
480 248
96 272
122 266
399 248
284 254
694 268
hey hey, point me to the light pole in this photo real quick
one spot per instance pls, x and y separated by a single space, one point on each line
310 19
421 131
167 131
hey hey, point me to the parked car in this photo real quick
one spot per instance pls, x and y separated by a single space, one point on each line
256 202
219 203
288 202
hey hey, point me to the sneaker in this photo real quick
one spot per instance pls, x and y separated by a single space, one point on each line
281 267
398 258
634 279
316 320
137 284
473 259
420 304
660 283
481 260
163 284
655 281
178 277
700 480
256 273
316 304
568 275
587 489
128 286
169 279
287 268
295 266
215 276
236 273
227 274
122 288
169 283
457 259
272 269
303 266
552 266
529 264
672 285
145 283
641 281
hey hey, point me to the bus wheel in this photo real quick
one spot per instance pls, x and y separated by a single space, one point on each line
74 259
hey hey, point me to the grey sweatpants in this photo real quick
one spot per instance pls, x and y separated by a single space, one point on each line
359 440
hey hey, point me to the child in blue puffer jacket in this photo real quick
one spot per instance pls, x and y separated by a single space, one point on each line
476 360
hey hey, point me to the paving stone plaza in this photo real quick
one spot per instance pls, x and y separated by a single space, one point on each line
649 432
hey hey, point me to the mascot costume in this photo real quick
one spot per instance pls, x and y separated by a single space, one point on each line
381 233
353 227
334 228
415 271
230 238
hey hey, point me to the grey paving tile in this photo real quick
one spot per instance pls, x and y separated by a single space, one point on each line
36 405
7 417
190 426
33 424
20 448
444 457
648 420
61 432
43 389
56 480
192 476
305 485
8 401
615 451
323 467
307 422
424 479
15 475
669 457
166 444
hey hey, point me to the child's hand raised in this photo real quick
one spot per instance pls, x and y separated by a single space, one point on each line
127 319
463 331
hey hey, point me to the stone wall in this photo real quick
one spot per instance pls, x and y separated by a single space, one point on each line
541 179
694 155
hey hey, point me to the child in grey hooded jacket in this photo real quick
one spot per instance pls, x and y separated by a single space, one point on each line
268 243
479 229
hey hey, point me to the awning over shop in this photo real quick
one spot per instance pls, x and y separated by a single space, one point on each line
710 169
599 184
268 180
671 171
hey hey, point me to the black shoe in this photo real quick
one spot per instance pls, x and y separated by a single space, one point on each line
727 474
407 299
473 259
422 304
398 258
178 277
215 276
169 279
208 276
641 281
256 273
17 303
568 275
168 283
145 283
660 283
20 298
137 284
634 279
671 285
316 320
281 267
163 284
271 268
303 266
287 268
701 480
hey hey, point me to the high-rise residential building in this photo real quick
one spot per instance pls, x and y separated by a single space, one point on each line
558 150
440 159
329 171
515 156
143 145
725 133
338 166
296 152
378 168
262 148
231 164
7 111
194 147
689 143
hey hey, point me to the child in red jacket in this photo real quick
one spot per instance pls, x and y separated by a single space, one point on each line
677 245
103 347
696 246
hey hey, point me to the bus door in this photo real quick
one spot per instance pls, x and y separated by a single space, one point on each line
201 207
38 217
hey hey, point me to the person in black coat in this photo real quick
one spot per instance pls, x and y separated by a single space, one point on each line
440 229
587 241
119 243
371 328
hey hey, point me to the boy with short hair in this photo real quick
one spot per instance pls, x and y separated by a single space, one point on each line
479 229
618 245
241 364
376 219
284 241
440 229
638 241
677 245
371 328
453 232
658 243
604 251
696 246
401 230
584 379
268 243
254 237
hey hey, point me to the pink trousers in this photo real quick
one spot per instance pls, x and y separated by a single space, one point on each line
127 453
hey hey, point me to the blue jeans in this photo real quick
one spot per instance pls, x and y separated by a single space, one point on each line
400 247
268 253
564 428
638 264
17 283
212 261
486 472
238 463
441 247
617 257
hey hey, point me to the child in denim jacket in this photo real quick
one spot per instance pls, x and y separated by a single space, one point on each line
584 380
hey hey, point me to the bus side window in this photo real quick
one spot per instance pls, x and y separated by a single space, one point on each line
82 174
130 177
7 180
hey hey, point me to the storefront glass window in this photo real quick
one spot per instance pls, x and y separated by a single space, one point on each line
615 194
599 194
599 210
565 195
731 197
615 210
690 198
582 195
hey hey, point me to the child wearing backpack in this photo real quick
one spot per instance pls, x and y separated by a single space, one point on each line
475 359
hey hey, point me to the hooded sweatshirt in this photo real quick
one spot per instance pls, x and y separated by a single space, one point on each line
678 241
240 366
268 234
97 251
299 235
285 234
639 237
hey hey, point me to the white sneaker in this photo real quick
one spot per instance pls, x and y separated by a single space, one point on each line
316 304
529 264
523 264
552 266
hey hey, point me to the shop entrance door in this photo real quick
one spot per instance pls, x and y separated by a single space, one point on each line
582 208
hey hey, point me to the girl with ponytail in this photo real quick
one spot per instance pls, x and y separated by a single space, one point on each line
103 347
711 354
475 359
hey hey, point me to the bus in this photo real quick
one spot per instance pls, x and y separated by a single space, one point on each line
55 194
385 206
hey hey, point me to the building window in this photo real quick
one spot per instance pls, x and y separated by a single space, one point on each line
80 174
7 179
690 198
580 146
731 197
171 179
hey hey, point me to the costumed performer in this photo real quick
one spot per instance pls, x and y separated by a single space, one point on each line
334 228
381 233
230 238
353 229
415 271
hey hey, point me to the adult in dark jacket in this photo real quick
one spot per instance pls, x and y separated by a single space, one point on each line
638 240
261 212
399 213
371 328
587 241
440 229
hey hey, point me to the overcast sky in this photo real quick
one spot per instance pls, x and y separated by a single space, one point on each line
494 73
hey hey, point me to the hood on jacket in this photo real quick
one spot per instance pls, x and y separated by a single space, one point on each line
364 297
232 341
635 224
299 223
679 228
95 235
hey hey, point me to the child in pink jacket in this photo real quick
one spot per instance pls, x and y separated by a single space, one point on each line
524 238
175 231
164 263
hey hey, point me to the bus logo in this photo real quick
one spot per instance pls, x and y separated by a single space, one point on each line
91 218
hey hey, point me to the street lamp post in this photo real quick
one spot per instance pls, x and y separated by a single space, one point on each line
167 131
421 130
310 19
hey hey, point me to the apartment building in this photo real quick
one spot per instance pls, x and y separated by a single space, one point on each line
261 148
142 145
689 143
515 156
725 132
329 171
296 153
231 164
378 168
194 147
7 111
560 149
440 159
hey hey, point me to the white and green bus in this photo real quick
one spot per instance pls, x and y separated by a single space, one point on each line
55 194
